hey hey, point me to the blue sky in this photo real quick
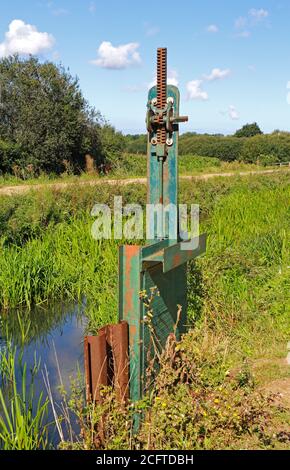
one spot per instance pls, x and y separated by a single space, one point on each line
231 58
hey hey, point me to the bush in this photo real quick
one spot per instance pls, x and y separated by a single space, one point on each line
111 146
228 149
136 143
10 154
276 145
266 160
223 148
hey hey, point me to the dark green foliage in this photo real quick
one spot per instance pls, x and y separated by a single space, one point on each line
265 149
249 150
46 123
275 145
223 148
136 143
249 130
111 146
10 154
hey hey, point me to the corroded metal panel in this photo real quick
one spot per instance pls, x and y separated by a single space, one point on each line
169 306
107 362
169 312
131 310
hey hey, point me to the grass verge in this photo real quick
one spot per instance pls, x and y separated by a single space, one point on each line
210 396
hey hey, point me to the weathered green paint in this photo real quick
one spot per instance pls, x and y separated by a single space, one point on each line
176 255
172 255
131 310
162 264
172 292
170 166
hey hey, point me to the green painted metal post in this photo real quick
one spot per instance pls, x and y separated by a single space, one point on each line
160 265
131 310
170 166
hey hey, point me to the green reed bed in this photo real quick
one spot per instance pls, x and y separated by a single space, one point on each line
22 414
48 251
65 263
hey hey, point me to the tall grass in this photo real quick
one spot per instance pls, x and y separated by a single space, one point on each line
239 291
246 271
22 414
247 223
65 263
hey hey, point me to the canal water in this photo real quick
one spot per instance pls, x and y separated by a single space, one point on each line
53 336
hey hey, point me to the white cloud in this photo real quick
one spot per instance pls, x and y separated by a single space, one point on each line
195 91
217 74
233 113
172 77
246 23
259 15
117 58
212 28
92 7
24 39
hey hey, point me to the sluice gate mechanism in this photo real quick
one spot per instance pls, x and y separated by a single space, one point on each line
120 354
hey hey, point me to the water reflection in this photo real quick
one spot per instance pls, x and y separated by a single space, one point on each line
55 336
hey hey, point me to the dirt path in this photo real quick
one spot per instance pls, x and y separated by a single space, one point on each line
24 188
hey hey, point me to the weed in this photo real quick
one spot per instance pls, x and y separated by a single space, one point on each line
22 414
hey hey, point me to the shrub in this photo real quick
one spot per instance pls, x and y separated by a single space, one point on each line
223 148
10 155
266 160
276 145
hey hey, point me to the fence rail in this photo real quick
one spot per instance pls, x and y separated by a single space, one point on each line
280 164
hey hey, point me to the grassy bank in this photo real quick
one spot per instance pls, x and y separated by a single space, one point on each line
130 166
239 305
48 252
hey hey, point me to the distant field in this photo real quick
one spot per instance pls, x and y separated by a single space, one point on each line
130 166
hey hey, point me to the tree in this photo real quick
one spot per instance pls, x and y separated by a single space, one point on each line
44 113
249 130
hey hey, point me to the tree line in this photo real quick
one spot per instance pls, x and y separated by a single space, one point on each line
248 144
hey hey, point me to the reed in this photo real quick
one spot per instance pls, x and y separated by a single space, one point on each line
245 219
22 414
